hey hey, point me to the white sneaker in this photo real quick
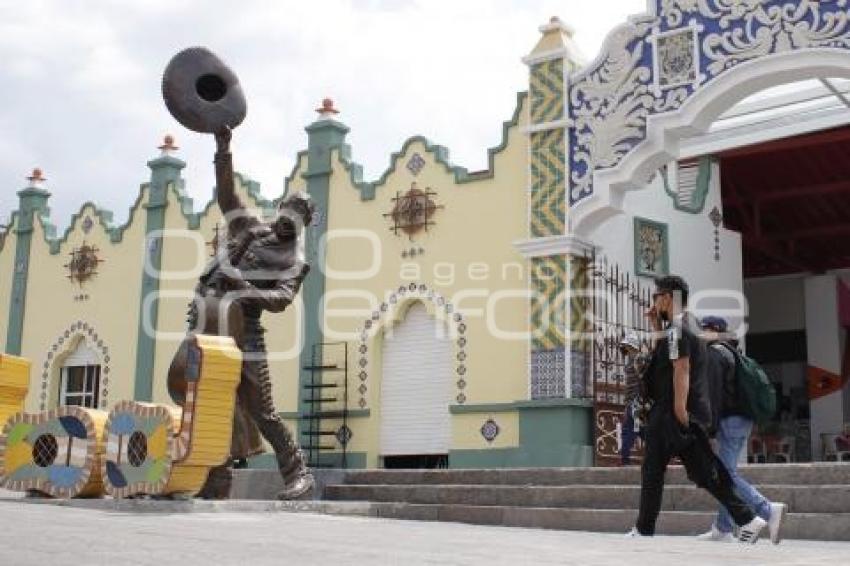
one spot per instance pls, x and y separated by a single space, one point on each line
634 533
716 535
750 531
774 524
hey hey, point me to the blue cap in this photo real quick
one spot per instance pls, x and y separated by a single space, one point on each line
715 323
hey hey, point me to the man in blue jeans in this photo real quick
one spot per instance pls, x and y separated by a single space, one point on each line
733 431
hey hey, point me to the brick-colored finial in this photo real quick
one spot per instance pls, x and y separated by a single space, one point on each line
327 108
37 176
168 143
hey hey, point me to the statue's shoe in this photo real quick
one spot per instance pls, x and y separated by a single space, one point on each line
300 486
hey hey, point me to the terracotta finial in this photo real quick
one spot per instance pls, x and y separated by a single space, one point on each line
327 108
37 176
168 143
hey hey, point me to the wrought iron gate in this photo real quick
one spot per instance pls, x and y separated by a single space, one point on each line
618 304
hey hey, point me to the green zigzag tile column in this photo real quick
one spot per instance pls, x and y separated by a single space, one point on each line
165 170
548 67
324 135
32 201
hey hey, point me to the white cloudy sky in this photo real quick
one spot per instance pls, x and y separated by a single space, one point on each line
79 82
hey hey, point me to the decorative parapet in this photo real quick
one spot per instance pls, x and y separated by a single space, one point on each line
175 189
104 218
4 231
441 155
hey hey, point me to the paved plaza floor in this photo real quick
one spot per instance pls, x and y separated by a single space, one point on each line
32 534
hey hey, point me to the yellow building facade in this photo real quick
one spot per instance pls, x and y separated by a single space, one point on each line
412 340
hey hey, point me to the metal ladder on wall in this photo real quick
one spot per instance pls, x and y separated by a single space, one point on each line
327 400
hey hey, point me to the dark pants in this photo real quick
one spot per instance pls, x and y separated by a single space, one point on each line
628 435
254 400
665 438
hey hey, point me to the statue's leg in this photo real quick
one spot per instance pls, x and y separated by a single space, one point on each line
255 391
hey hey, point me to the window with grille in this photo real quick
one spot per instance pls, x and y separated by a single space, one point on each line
80 386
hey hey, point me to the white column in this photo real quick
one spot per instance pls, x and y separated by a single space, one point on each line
823 341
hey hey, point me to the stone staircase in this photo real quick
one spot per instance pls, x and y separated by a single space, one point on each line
591 499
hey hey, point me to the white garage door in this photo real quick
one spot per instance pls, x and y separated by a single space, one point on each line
415 387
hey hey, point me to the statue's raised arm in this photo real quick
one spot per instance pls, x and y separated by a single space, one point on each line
238 218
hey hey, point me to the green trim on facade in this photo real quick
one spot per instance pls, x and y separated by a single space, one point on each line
505 407
323 137
165 172
482 408
553 433
699 195
554 403
32 202
7 229
18 298
177 189
483 458
441 155
104 218
294 174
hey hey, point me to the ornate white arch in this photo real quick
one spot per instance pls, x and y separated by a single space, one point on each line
63 344
664 132
388 311
669 73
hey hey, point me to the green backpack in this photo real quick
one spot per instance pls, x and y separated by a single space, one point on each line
756 394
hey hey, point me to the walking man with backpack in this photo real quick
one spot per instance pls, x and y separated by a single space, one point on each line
681 415
735 422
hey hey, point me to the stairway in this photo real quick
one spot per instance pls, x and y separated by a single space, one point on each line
594 499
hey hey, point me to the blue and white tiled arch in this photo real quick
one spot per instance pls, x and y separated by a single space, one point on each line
653 68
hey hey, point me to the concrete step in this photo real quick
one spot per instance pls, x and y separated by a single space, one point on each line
833 527
762 474
800 499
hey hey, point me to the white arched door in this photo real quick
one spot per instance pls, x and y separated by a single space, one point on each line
416 387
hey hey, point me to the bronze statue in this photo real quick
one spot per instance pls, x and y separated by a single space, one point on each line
259 268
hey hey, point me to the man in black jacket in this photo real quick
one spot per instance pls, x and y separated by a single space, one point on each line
681 415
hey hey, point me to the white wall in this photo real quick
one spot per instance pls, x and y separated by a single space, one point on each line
691 241
823 341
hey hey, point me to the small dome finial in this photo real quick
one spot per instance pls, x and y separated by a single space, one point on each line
168 147
37 176
327 109
168 143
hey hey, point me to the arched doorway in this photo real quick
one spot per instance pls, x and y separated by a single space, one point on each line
416 389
